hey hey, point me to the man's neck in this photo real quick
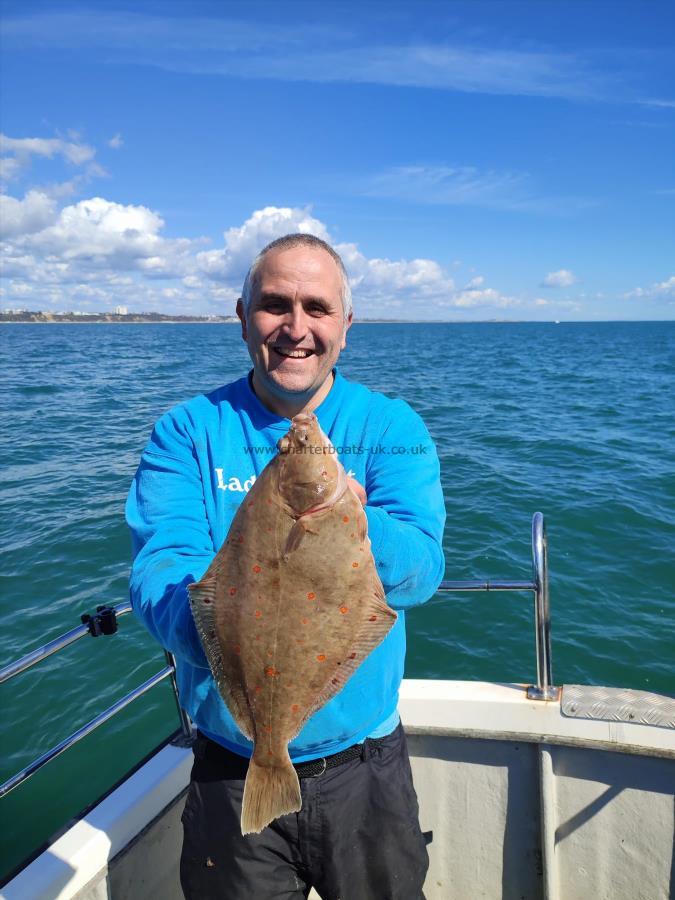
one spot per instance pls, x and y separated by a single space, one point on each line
289 406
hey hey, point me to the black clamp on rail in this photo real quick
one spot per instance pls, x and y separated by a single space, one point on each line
104 621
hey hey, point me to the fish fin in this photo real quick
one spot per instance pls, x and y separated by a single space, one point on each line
202 603
294 539
369 636
269 792
296 534
362 529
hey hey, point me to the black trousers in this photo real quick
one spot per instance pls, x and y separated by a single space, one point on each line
357 836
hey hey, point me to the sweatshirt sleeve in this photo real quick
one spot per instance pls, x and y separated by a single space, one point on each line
171 539
406 510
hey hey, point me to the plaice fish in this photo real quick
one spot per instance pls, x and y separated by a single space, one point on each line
289 608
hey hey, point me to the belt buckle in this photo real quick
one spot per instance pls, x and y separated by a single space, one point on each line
322 772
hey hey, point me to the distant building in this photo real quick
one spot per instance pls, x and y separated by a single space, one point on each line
121 311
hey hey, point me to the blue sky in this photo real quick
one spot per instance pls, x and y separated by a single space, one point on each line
483 160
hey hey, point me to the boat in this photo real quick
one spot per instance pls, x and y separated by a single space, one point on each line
525 791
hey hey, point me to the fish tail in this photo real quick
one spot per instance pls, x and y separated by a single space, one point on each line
270 791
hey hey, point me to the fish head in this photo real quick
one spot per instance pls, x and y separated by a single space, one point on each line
310 476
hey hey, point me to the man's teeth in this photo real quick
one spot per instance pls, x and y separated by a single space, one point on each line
294 354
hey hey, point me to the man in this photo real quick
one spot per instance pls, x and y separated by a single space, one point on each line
357 836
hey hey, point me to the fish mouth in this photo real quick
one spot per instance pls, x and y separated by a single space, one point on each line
293 352
303 419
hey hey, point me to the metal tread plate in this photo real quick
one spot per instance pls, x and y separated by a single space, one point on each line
618 705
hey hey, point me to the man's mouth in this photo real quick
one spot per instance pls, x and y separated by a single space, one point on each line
293 352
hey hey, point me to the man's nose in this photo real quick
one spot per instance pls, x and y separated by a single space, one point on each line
295 324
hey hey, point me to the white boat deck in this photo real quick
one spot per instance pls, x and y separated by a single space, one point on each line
523 802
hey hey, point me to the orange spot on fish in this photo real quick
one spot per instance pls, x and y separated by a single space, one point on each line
344 609
257 689
352 655
373 619
258 614
206 600
270 753
311 595
268 729
269 530
269 501
334 681
299 640
321 657
305 621
362 549
233 591
257 569
237 648
240 540
271 672
295 707
345 519
270 653
352 535
355 565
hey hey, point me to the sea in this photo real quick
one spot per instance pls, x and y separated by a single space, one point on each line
576 420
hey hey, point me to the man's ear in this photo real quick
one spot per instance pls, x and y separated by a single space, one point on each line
242 319
348 325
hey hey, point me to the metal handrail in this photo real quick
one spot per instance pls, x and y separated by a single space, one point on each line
59 643
544 689
51 754
40 653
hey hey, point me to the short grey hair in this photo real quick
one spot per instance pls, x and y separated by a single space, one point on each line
285 243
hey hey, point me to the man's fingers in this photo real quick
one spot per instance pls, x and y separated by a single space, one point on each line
359 490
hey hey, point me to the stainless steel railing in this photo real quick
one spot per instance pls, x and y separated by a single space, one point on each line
544 689
103 622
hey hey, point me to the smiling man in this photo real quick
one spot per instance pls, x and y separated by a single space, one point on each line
357 835
295 321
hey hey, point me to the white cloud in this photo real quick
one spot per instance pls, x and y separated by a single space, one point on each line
19 152
116 141
95 254
21 217
561 278
319 53
660 290
9 168
74 153
451 186
243 244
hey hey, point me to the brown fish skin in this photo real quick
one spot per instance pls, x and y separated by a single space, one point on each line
289 608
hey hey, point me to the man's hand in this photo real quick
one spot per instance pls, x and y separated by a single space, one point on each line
358 489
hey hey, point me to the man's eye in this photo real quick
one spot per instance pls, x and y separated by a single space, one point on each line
316 309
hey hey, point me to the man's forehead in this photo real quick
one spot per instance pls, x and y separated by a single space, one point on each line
299 265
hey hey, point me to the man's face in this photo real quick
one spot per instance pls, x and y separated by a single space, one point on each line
295 327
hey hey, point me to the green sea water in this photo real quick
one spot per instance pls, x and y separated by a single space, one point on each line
575 420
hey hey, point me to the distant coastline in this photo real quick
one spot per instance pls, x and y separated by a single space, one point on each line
49 318
42 317
27 317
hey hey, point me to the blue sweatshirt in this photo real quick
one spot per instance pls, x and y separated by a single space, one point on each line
202 458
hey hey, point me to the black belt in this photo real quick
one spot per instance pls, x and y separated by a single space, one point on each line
313 767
